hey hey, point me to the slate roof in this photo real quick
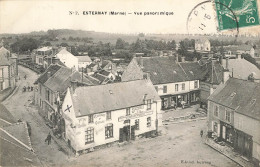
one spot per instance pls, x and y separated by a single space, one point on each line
6 118
99 77
162 69
110 97
207 74
92 65
44 77
104 72
241 68
60 78
84 59
17 148
5 57
240 95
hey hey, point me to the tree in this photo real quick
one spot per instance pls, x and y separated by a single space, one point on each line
63 44
25 44
120 44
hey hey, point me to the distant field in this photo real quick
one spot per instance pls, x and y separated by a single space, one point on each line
111 38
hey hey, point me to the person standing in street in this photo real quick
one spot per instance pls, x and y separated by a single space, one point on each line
201 133
48 139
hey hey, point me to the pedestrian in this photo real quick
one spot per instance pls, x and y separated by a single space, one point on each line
28 88
31 88
201 133
24 89
48 139
25 76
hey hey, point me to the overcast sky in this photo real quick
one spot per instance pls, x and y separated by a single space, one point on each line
26 16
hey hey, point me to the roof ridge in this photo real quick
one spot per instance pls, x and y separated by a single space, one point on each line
29 148
183 70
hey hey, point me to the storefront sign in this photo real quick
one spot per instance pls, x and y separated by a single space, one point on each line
136 114
99 118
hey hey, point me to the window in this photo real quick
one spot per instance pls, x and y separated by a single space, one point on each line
47 95
148 121
183 86
216 110
137 124
195 84
149 104
215 127
90 119
89 135
228 116
164 89
156 88
109 131
127 111
108 115
176 87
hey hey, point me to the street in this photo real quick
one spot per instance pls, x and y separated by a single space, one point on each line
179 145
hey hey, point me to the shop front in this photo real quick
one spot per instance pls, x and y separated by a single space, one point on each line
243 143
227 133
171 101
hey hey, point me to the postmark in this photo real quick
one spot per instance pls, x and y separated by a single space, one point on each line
203 19
244 12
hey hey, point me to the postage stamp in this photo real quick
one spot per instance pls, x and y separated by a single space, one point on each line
236 13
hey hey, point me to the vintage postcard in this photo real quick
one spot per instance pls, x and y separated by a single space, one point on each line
130 83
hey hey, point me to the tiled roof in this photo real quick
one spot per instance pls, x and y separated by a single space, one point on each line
20 132
44 77
17 148
242 68
240 95
99 77
92 65
207 74
60 78
104 72
162 69
84 59
6 118
109 97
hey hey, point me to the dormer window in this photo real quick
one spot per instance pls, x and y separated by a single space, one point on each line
149 104
233 94
252 101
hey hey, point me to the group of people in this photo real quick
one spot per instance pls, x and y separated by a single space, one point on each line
28 88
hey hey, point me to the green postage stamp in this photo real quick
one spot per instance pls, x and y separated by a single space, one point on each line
236 13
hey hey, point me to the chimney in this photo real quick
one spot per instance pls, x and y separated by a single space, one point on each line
183 59
73 85
227 59
48 74
226 75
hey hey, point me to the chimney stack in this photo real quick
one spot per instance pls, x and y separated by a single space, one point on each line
183 59
48 74
239 56
73 85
